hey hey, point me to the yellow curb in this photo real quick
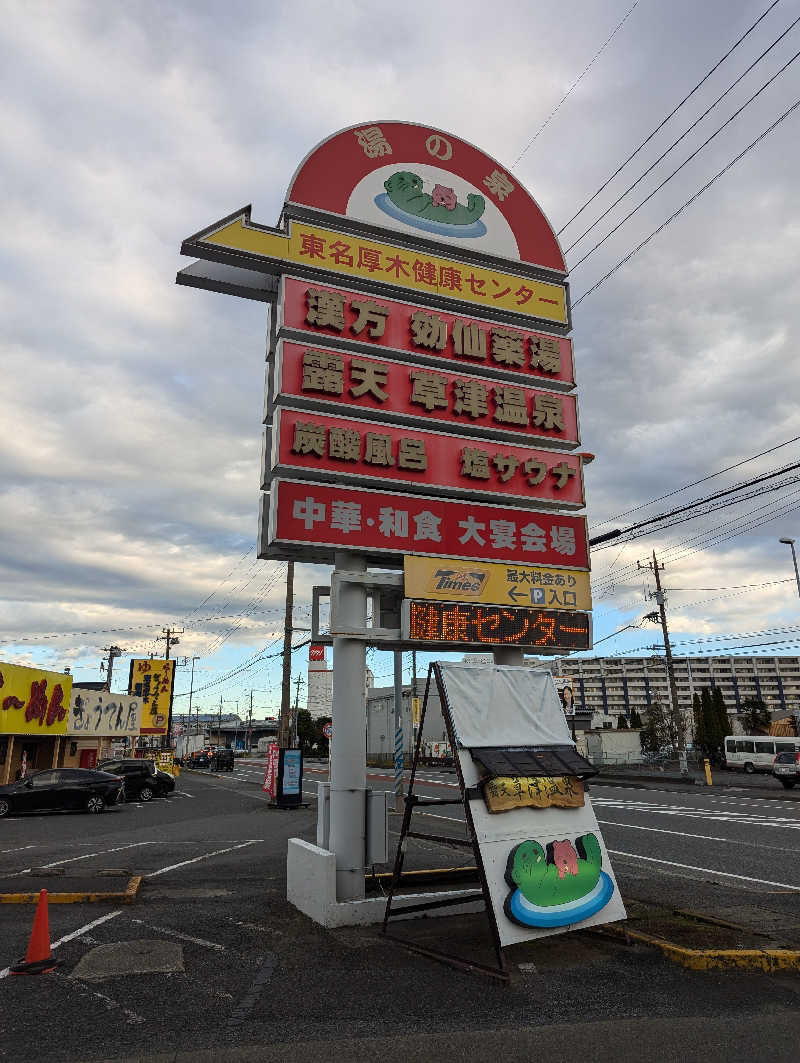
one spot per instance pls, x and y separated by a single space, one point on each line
126 897
765 960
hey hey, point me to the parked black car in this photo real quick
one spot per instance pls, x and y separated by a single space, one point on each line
143 781
222 760
61 788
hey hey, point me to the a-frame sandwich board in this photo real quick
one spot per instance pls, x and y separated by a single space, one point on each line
458 897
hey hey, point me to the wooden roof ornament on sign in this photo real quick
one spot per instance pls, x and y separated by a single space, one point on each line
423 182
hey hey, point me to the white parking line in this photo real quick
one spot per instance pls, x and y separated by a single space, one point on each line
178 934
206 856
75 934
87 856
683 834
19 850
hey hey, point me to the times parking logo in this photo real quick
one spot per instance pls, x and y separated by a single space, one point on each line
462 580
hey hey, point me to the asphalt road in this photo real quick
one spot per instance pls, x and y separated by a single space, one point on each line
211 958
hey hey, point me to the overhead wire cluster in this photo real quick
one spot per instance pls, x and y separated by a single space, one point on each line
608 214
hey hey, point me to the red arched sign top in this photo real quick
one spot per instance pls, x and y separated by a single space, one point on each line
429 183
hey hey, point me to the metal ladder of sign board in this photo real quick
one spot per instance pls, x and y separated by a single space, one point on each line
412 803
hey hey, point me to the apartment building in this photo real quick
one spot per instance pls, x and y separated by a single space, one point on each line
609 687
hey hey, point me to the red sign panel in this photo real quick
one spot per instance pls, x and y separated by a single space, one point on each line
342 447
376 521
401 393
376 173
476 344
316 652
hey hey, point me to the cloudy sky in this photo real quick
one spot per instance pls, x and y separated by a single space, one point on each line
131 408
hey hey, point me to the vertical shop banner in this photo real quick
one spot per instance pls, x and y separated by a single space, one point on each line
33 701
270 784
152 681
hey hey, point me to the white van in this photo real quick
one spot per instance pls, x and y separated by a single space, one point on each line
756 752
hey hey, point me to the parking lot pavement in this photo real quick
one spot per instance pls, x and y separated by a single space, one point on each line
212 957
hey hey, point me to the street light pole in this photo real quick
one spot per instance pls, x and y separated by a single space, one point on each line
790 542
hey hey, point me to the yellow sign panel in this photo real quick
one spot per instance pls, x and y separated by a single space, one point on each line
488 583
151 680
416 711
33 701
353 256
504 793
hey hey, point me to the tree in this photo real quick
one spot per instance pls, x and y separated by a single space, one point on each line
757 716
306 732
655 733
721 725
636 719
622 723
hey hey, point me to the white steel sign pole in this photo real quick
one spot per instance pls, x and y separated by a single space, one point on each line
348 757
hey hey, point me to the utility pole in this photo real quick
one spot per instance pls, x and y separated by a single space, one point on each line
191 691
219 722
108 666
170 637
286 691
677 719
250 724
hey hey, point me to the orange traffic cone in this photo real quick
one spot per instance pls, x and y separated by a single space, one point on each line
38 959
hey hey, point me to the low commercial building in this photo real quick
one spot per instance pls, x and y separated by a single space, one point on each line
34 706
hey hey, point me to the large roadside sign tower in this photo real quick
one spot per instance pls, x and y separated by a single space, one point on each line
420 410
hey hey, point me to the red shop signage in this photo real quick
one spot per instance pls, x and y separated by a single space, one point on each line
400 392
338 447
356 519
478 345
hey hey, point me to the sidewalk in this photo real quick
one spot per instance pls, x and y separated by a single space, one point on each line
759 785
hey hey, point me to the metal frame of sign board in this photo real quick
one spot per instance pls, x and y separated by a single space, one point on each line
412 803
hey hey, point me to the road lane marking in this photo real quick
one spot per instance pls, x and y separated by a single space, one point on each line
178 934
702 837
206 856
450 819
706 870
75 934
21 849
88 856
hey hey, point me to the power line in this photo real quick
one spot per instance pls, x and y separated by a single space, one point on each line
676 142
677 170
688 203
575 83
696 483
665 120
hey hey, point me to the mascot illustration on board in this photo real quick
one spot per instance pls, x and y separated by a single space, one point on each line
406 200
556 886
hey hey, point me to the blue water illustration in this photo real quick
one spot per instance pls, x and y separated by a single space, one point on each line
463 232
521 911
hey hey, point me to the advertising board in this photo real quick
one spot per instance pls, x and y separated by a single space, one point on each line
475 344
33 701
151 680
449 580
97 712
330 447
461 624
360 386
316 519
